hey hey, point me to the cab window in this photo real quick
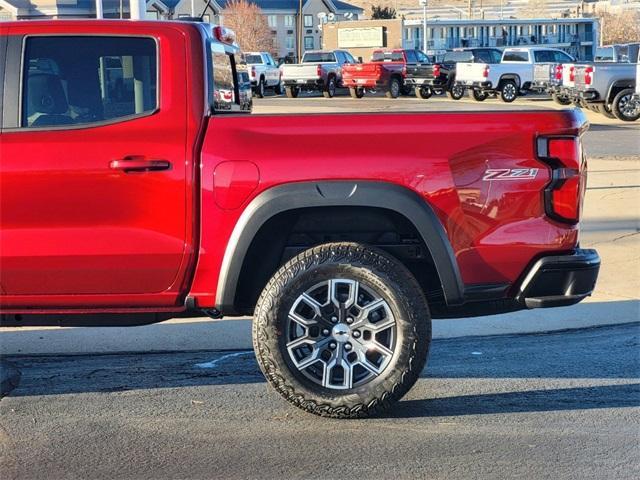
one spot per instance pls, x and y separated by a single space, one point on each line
81 80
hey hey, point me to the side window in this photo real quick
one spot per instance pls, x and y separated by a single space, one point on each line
544 56
224 86
422 58
496 56
482 56
340 57
83 80
515 56
561 57
349 58
411 56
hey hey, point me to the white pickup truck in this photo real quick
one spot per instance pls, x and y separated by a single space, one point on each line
319 71
514 74
263 72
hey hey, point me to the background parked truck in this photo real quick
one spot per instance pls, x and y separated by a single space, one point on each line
319 71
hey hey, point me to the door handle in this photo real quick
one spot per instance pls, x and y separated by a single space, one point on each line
138 164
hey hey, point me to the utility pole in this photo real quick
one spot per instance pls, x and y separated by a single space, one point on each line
469 15
424 25
99 9
299 31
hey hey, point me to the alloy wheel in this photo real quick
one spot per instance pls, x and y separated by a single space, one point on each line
340 334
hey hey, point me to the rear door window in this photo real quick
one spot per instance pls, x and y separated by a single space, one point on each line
515 56
411 56
81 80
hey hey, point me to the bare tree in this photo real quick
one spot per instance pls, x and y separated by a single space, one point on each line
623 27
252 30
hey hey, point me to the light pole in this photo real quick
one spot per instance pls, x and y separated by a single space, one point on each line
99 9
299 31
424 25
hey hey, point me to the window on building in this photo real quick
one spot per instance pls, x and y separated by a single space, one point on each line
272 20
308 43
290 44
308 21
289 20
108 78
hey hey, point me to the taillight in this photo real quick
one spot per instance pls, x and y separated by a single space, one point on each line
319 70
485 72
558 72
564 195
587 75
572 74
436 70
404 70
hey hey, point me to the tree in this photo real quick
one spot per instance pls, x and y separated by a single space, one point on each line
380 13
253 33
623 27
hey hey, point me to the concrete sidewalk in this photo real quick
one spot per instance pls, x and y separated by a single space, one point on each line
612 225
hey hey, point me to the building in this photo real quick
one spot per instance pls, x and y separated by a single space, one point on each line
577 36
282 15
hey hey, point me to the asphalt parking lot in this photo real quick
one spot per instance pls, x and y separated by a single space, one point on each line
186 399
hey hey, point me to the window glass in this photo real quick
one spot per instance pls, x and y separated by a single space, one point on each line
288 20
318 57
482 56
515 56
411 56
544 56
272 20
464 56
308 20
254 59
308 43
289 42
224 94
496 56
78 80
380 56
422 58
349 58
561 57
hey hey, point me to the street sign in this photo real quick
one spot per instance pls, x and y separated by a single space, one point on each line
422 3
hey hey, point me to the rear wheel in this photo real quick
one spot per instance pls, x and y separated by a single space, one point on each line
508 91
260 88
423 92
624 107
456 92
342 330
561 99
292 92
356 92
330 89
394 88
479 95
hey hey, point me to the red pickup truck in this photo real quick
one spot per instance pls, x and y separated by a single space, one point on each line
385 71
135 186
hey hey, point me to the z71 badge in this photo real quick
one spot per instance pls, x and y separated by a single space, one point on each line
510 173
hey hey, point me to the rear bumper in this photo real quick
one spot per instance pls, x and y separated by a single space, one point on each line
362 82
428 82
303 82
589 95
561 280
485 85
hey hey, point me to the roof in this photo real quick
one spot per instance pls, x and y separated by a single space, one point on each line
333 5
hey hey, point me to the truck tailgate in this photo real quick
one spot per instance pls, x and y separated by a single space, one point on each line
542 72
300 72
470 72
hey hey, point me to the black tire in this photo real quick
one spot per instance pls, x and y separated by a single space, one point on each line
374 270
260 88
278 89
423 92
602 109
356 92
479 95
330 90
395 88
292 92
508 91
561 99
456 92
624 108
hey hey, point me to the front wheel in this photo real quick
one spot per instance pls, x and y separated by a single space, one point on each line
423 92
394 88
624 107
456 92
330 89
342 330
291 92
479 95
508 91
356 92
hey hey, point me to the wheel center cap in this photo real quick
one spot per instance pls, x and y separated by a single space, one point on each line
341 332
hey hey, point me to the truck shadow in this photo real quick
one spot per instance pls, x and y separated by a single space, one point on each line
579 398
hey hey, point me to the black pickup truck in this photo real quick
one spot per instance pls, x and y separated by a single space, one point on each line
428 78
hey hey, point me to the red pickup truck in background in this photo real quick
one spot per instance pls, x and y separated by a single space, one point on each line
135 186
385 71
